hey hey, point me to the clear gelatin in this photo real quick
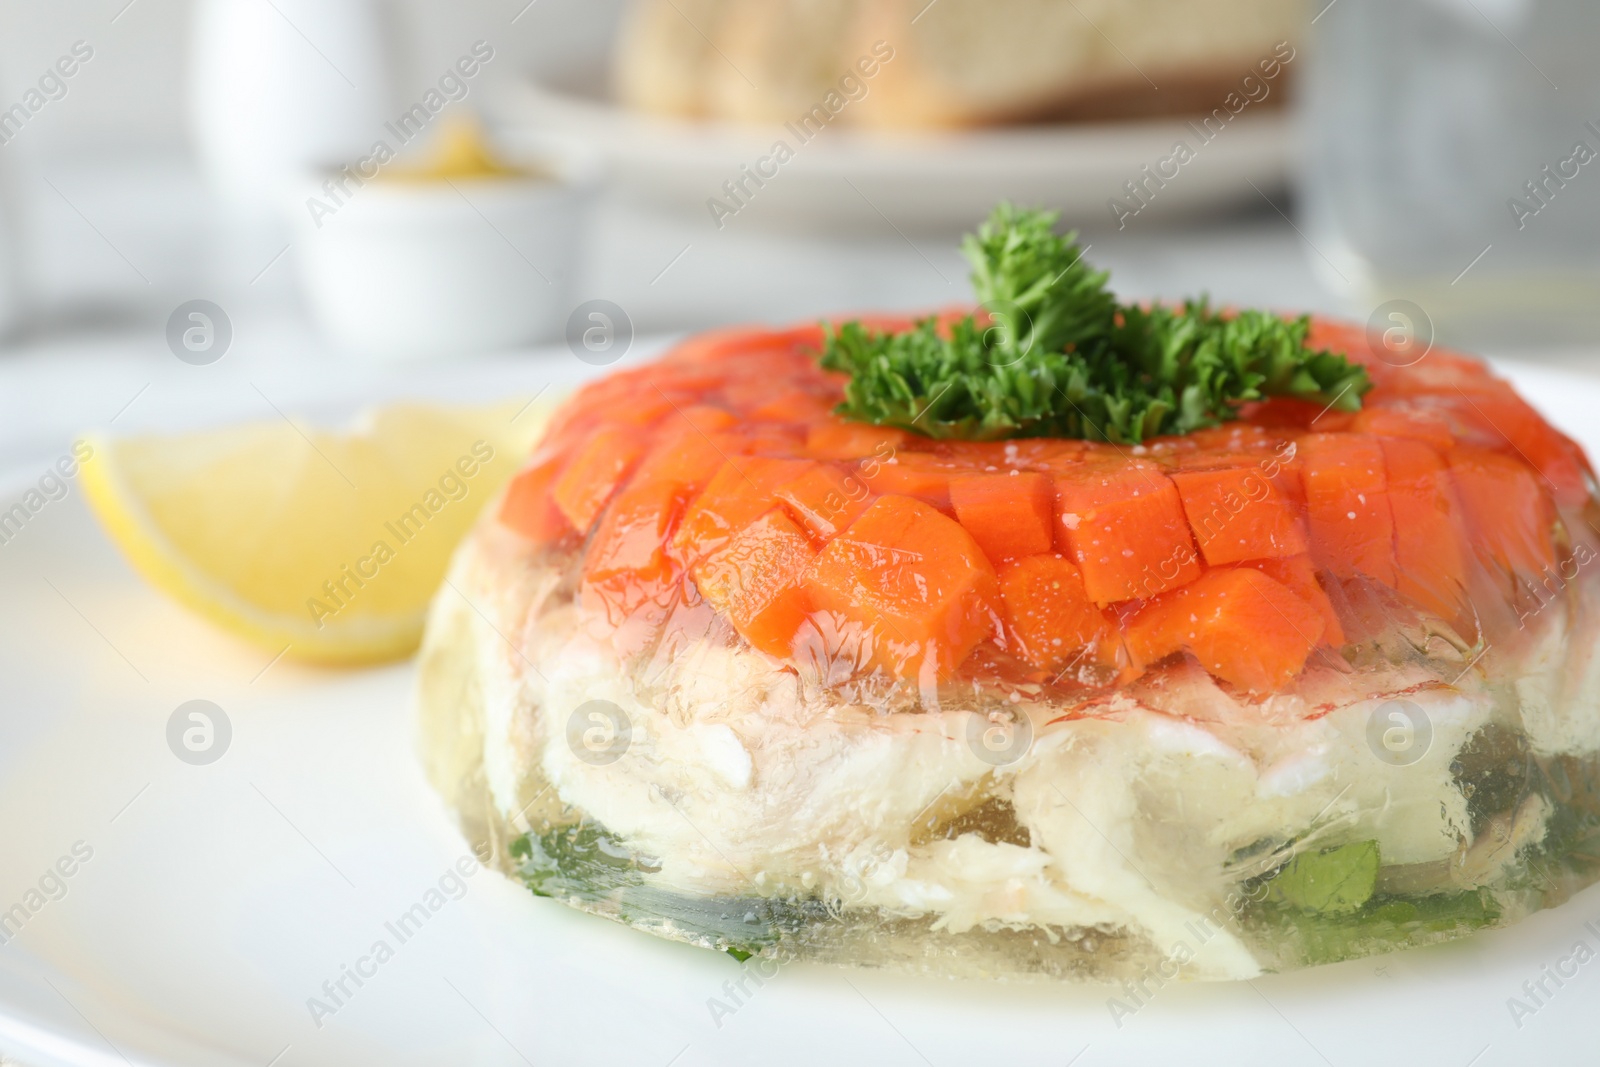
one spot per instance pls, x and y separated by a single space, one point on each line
1315 681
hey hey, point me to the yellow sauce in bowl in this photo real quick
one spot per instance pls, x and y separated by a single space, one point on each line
460 152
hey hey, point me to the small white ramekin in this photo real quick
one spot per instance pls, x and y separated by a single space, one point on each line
409 269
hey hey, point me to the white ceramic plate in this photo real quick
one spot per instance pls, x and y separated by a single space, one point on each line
844 179
219 898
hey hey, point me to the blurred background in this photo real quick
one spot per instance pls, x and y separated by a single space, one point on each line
1423 165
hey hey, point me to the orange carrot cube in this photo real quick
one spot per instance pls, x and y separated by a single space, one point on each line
757 581
1009 515
825 500
838 439
1238 513
528 507
1299 574
1347 504
738 494
595 472
1123 524
915 581
1049 614
1243 627
913 474
1430 558
1507 509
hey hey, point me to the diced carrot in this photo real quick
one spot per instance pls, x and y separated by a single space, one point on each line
627 564
630 560
1464 426
739 493
1039 453
756 580
1442 369
756 439
1340 337
685 382
528 507
631 554
1442 374
1440 379
685 455
595 472
1507 509
1166 450
1483 406
1347 506
915 581
1413 423
632 575
1123 525
724 463
1243 627
1238 513
1009 515
745 393
1300 575
837 439
708 344
770 367
571 426
1550 453
705 418
1049 613
794 405
740 342
1445 369
1288 413
975 456
909 474
825 500
1240 438
597 395
1430 563
647 408
1279 468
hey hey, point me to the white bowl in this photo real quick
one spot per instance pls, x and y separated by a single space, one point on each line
421 269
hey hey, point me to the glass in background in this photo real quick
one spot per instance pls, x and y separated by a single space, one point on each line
1453 160
10 278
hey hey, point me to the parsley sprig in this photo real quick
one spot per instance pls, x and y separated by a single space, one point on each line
1054 354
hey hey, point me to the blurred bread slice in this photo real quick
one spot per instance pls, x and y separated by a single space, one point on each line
968 62
780 57
663 52
956 62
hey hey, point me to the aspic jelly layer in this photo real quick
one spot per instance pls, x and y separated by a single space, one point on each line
723 800
1306 686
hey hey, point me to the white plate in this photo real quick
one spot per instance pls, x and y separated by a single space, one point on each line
845 179
219 898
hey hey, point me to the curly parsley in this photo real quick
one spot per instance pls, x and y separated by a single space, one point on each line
1056 355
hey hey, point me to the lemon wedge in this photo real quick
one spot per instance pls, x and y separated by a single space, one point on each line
327 544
